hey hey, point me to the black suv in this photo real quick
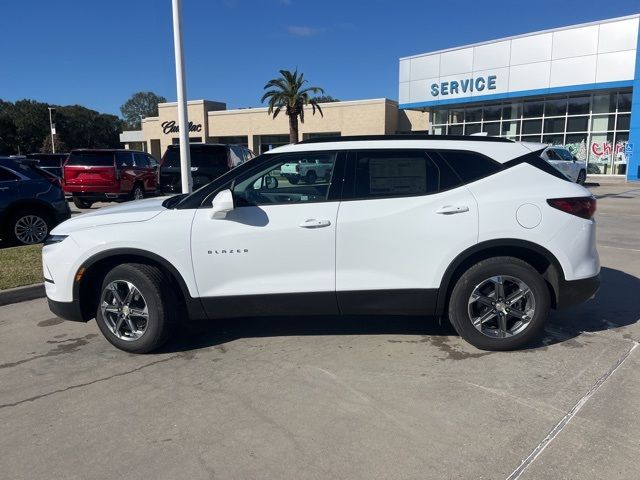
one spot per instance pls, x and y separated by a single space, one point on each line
208 162
31 201
51 162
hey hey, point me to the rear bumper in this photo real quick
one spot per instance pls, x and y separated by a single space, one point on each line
575 292
67 310
98 196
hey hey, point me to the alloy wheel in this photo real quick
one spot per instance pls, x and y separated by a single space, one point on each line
501 306
138 194
124 310
31 229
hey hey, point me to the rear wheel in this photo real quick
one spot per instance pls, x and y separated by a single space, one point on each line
81 202
311 177
582 177
500 303
28 227
136 309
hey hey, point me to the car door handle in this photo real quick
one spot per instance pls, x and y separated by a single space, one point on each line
452 209
313 223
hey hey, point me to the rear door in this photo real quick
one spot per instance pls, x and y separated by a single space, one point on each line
403 219
90 169
144 171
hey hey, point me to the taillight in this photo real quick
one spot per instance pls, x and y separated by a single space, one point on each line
583 207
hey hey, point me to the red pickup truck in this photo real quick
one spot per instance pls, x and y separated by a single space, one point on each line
109 175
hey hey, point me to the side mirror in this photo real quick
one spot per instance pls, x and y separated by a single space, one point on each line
222 204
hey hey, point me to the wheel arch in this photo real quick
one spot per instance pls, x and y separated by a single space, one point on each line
88 279
538 257
24 204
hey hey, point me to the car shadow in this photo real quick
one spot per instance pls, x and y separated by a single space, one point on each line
612 308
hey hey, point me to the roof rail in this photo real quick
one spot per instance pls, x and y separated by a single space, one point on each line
356 138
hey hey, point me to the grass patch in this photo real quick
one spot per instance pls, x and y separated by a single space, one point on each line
20 266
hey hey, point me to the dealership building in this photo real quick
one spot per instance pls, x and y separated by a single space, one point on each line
210 121
577 86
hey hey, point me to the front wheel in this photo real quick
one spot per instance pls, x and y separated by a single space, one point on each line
500 303
582 177
137 193
136 308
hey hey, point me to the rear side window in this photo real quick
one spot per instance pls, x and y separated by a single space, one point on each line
398 173
124 159
91 159
469 166
7 176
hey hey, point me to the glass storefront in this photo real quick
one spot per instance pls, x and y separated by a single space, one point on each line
593 126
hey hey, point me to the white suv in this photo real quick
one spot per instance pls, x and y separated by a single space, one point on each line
481 230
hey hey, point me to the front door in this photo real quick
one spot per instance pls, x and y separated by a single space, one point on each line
275 252
401 222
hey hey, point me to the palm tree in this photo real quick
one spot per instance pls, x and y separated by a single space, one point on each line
289 92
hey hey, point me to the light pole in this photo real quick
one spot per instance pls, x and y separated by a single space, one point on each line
52 129
183 122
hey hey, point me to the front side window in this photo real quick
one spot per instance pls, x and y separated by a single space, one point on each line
293 178
141 160
396 173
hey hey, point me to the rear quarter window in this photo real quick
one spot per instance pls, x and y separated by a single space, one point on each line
469 166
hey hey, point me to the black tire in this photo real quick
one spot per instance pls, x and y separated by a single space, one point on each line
81 202
12 230
311 177
582 177
293 180
459 304
138 192
158 296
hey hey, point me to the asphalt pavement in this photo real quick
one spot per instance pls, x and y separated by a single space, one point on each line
321 398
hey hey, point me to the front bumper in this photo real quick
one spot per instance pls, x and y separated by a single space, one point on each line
574 292
67 310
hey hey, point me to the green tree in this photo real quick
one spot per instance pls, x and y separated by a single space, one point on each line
141 104
61 147
289 92
325 99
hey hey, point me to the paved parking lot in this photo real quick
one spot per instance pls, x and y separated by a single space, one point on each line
334 398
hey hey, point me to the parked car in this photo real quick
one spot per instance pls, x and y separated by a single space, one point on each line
567 163
31 201
208 162
317 166
109 175
51 162
481 230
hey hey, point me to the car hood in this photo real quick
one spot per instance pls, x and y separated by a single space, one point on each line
136 211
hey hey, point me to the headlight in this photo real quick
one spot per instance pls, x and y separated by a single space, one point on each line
51 239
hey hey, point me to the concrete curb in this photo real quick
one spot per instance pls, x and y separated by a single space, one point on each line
22 294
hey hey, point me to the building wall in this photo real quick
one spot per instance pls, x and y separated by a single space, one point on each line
360 117
581 57
156 128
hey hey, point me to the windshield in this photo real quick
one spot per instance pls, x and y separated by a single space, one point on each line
213 156
93 159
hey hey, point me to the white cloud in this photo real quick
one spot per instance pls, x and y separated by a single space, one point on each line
302 30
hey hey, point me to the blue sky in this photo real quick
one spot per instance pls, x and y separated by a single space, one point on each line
97 53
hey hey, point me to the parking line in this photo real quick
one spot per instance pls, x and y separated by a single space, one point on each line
567 418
